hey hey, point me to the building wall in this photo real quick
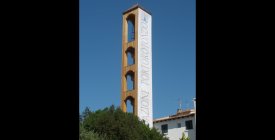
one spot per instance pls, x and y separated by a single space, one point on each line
175 133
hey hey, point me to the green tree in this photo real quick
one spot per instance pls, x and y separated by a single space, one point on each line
85 113
114 124
184 137
89 135
85 134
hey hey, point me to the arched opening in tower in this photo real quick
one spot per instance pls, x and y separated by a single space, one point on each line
131 27
130 80
130 52
130 105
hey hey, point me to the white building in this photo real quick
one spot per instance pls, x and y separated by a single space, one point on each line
173 126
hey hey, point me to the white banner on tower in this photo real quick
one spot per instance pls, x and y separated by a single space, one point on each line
145 100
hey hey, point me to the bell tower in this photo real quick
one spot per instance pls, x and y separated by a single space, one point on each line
136 75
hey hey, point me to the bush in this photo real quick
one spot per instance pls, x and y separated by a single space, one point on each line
90 135
113 124
184 137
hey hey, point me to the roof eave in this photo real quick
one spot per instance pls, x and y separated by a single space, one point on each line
135 7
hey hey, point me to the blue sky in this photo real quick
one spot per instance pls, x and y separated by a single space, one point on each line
173 53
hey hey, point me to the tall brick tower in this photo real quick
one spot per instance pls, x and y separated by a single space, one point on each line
137 46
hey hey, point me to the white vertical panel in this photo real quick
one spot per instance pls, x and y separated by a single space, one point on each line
145 103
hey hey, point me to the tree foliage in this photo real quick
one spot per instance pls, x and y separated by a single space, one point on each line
184 137
89 135
113 124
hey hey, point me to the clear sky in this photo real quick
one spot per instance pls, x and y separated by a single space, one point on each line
173 53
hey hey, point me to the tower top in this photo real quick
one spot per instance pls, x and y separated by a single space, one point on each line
135 7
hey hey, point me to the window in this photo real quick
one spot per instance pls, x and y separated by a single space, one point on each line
164 128
130 82
130 52
189 124
179 125
130 59
131 27
130 105
130 78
